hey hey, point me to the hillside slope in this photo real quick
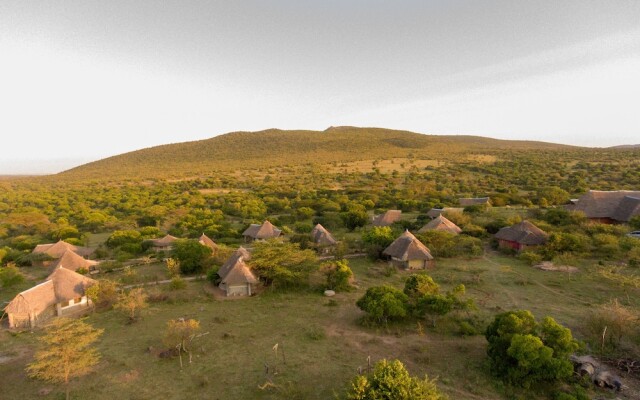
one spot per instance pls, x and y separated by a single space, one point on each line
273 147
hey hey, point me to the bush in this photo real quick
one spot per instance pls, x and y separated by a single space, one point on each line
177 283
526 353
383 304
339 275
10 275
390 380
530 257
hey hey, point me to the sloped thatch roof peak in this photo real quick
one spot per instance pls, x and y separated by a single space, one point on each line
207 241
241 254
524 233
609 204
322 236
71 260
164 241
441 223
239 273
264 231
387 218
408 247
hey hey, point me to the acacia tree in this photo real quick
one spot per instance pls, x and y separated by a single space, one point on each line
282 264
390 380
132 302
66 352
180 333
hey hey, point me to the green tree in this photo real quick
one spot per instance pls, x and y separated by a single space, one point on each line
338 274
390 380
10 275
377 239
66 352
282 264
354 217
192 255
524 352
383 303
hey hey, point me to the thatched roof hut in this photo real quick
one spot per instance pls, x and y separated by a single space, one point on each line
164 243
74 262
609 206
63 291
232 260
322 237
408 252
474 201
261 232
441 223
236 279
521 235
387 218
206 241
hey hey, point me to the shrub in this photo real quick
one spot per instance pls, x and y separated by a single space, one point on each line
177 283
383 304
391 380
525 353
339 275
10 275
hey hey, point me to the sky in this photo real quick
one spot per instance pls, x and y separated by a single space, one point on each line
84 79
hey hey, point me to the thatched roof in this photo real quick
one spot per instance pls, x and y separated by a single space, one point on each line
62 285
408 247
239 274
264 231
322 237
620 205
387 218
71 260
473 201
206 241
441 223
57 250
628 208
435 212
168 240
524 233
241 253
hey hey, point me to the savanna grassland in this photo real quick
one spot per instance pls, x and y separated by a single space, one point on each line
339 178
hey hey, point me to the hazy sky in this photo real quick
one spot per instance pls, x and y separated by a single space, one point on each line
81 80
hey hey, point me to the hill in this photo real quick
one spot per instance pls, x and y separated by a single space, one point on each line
273 147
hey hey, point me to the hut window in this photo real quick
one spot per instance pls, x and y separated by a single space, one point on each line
77 300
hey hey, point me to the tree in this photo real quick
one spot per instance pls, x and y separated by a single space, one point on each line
10 275
104 293
132 302
425 297
282 264
377 239
390 380
354 217
383 303
66 352
173 267
192 255
338 274
524 352
180 333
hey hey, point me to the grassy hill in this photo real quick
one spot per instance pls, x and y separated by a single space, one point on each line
273 147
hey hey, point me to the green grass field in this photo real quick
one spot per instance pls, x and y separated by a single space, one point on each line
324 345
